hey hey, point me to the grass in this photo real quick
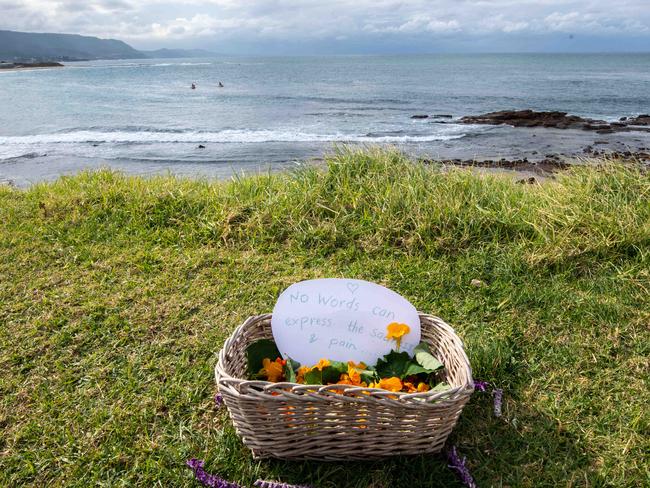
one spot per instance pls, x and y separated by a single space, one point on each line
116 293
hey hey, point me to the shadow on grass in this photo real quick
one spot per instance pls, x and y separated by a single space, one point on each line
522 448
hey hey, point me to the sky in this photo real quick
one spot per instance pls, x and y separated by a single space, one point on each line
346 26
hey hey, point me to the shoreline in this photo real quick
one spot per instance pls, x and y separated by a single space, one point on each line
538 144
524 170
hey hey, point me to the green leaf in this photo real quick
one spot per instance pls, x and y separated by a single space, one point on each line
314 377
289 373
415 369
333 372
294 364
425 359
393 364
369 376
441 387
339 366
257 351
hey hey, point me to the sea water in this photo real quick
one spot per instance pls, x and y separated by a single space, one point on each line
141 116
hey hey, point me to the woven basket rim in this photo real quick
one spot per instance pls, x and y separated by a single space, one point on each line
358 394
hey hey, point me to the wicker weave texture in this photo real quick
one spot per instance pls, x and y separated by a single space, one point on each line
341 422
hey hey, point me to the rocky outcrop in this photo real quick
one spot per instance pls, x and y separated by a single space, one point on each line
546 166
530 118
44 64
550 164
557 120
638 120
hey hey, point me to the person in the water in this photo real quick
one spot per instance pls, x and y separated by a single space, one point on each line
193 86
220 85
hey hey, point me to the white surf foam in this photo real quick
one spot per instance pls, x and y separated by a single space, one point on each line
225 136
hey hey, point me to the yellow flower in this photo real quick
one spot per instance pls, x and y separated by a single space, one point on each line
352 364
373 385
391 384
323 363
422 387
396 331
300 375
273 370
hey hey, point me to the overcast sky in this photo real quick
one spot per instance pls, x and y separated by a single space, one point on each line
346 26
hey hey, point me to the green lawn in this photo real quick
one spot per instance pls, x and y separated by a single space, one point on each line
116 294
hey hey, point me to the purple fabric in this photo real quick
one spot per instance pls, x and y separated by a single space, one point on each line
458 464
218 400
498 398
481 385
207 479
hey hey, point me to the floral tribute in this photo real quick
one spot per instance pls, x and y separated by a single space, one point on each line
396 371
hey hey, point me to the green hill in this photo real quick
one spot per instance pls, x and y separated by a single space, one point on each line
62 47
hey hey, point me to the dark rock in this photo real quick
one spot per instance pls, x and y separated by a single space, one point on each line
443 116
419 116
530 118
201 146
42 64
601 142
639 120
596 127
558 120
527 181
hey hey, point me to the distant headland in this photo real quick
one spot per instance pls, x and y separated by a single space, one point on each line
36 48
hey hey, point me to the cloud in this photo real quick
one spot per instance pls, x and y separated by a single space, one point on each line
262 21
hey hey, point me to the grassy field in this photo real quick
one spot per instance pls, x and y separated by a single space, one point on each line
116 293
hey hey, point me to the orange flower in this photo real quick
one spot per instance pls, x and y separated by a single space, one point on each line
391 384
344 380
353 377
410 387
396 331
323 363
422 387
273 370
300 375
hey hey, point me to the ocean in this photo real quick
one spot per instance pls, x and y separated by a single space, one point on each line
141 116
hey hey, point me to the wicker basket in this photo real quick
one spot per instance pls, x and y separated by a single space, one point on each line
292 421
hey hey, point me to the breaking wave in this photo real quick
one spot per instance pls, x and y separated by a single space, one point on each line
148 136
